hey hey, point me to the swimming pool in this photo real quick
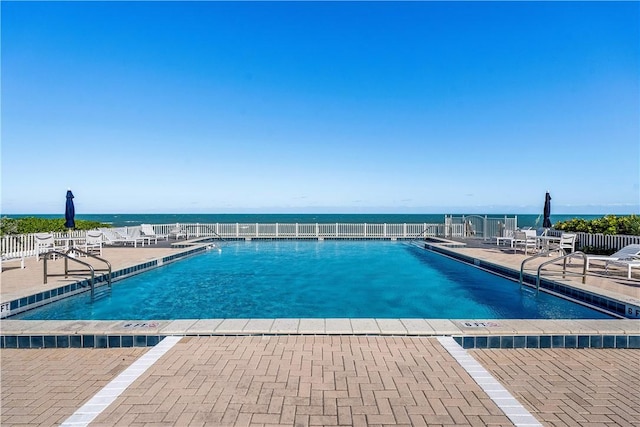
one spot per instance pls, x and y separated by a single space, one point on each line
315 279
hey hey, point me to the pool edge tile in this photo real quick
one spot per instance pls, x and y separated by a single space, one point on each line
338 326
285 326
391 327
311 326
258 326
364 326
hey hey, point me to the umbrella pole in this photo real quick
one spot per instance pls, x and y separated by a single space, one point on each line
71 253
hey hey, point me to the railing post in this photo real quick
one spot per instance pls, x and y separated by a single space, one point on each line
484 228
44 268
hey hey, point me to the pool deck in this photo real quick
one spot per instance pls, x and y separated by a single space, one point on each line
322 371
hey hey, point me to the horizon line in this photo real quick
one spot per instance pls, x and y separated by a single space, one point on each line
319 213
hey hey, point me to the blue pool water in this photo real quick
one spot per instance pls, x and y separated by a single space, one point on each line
289 279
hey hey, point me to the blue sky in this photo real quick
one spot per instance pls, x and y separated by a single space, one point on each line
275 107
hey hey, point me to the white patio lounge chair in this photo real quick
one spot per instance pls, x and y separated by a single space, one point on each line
629 263
113 237
135 233
627 252
146 230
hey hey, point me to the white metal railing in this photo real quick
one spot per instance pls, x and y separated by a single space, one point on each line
609 241
491 227
312 230
481 226
599 240
302 231
24 245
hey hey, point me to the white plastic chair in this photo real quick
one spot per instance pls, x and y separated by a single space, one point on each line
177 233
524 240
45 242
146 230
567 244
93 242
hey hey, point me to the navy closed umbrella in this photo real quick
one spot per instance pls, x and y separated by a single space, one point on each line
70 211
546 222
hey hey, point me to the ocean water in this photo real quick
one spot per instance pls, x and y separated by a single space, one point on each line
123 220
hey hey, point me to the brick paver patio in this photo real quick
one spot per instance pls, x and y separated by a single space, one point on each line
305 380
44 387
571 387
321 380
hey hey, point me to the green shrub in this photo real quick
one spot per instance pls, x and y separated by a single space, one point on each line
42 225
609 224
8 226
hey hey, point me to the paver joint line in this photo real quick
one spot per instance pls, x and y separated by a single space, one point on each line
108 394
518 414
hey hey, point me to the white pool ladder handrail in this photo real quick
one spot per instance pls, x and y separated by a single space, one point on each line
554 261
68 255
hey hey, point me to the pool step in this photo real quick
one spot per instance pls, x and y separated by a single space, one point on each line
102 292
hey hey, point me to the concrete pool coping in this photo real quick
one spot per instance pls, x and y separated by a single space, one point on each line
471 333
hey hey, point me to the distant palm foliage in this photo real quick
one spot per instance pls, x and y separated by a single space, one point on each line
42 225
609 224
